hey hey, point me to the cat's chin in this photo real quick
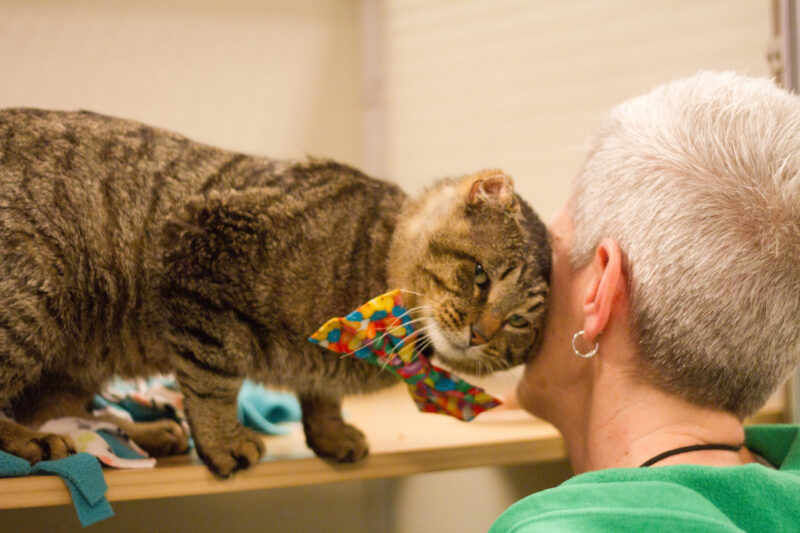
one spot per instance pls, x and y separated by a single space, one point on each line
445 346
466 358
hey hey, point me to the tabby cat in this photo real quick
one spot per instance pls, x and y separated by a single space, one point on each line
129 250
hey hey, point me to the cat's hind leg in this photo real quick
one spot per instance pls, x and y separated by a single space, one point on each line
20 367
327 434
158 438
22 440
33 446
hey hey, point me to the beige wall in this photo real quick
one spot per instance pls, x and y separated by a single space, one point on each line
274 77
519 83
461 84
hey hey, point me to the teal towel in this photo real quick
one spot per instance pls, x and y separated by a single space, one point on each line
257 407
13 466
263 410
80 472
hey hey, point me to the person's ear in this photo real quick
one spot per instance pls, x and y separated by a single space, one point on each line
606 285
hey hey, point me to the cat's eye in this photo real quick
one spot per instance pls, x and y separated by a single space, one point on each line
481 277
518 321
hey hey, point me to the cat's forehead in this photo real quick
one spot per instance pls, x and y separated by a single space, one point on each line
489 234
504 252
495 231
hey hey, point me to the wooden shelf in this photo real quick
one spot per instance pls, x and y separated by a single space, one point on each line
402 440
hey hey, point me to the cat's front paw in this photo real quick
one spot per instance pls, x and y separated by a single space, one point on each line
338 441
225 455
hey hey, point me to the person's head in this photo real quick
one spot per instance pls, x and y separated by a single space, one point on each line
697 186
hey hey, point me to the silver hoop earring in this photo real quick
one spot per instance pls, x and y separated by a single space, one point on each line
587 355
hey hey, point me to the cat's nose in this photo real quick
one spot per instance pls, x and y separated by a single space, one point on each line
477 339
484 329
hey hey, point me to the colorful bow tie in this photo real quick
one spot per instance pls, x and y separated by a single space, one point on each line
380 332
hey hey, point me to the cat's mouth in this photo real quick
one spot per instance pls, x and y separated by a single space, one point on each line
453 345
454 349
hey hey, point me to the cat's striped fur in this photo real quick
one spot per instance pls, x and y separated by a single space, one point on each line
128 250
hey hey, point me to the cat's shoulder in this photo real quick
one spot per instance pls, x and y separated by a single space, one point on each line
80 121
35 115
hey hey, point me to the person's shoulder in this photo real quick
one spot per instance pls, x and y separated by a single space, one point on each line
778 443
588 504
674 498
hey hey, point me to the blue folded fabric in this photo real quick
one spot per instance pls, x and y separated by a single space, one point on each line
139 412
13 466
84 478
257 407
263 409
119 447
80 472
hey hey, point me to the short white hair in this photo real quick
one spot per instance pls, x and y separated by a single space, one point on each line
699 183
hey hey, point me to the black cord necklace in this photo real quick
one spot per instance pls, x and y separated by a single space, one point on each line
686 449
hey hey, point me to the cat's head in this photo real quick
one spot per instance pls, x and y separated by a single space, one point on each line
476 261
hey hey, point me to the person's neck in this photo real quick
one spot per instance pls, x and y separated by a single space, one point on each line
626 423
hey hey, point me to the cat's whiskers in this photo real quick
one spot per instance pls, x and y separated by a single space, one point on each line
417 308
421 294
483 366
401 326
426 340
413 309
424 344
390 354
389 332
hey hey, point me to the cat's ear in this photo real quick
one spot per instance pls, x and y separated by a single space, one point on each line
492 187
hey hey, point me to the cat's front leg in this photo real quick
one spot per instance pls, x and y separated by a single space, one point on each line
327 434
222 442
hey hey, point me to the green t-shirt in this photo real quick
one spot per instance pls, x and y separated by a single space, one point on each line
673 499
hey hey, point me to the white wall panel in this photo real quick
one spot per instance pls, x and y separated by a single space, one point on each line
519 83
276 77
